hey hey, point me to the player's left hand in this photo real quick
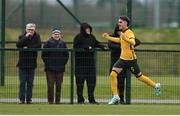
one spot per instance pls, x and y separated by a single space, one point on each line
105 35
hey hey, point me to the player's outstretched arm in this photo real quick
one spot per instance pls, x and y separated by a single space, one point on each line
113 39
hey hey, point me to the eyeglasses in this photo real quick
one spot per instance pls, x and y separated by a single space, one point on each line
56 34
30 29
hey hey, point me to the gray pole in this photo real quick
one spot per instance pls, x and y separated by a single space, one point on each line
2 54
23 15
76 7
156 14
129 10
76 3
128 73
113 9
178 13
145 23
72 78
42 13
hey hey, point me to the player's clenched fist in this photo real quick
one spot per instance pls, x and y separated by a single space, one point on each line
105 35
122 35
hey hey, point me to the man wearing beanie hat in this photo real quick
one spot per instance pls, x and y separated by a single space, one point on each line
56 30
55 62
27 62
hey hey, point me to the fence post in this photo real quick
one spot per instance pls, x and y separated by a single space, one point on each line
23 15
157 14
42 13
3 7
178 12
129 10
76 5
175 64
128 73
113 8
128 87
72 77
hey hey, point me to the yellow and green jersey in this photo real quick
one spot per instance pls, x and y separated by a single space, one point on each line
127 50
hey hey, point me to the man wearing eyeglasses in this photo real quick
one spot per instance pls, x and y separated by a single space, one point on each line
27 62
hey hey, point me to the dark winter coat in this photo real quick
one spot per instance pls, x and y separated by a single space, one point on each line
114 47
85 59
28 59
55 60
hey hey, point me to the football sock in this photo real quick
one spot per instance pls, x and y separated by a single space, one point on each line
113 77
147 80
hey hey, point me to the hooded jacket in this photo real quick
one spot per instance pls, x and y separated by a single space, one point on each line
85 42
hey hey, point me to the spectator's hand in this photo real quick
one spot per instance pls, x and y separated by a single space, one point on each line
90 47
105 35
137 42
105 48
28 34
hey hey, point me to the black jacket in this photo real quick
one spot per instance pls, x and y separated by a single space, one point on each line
28 59
114 47
55 60
85 41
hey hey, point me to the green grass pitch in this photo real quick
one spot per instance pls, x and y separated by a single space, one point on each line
102 109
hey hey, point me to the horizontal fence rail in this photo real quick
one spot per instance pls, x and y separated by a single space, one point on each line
160 65
144 43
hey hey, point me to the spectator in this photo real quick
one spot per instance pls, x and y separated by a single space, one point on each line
85 62
27 62
115 51
55 62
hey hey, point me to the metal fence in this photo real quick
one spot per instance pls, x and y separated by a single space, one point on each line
145 13
160 65
144 45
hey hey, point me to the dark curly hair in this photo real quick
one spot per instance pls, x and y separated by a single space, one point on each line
125 18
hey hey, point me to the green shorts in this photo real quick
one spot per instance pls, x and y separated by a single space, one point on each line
128 65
